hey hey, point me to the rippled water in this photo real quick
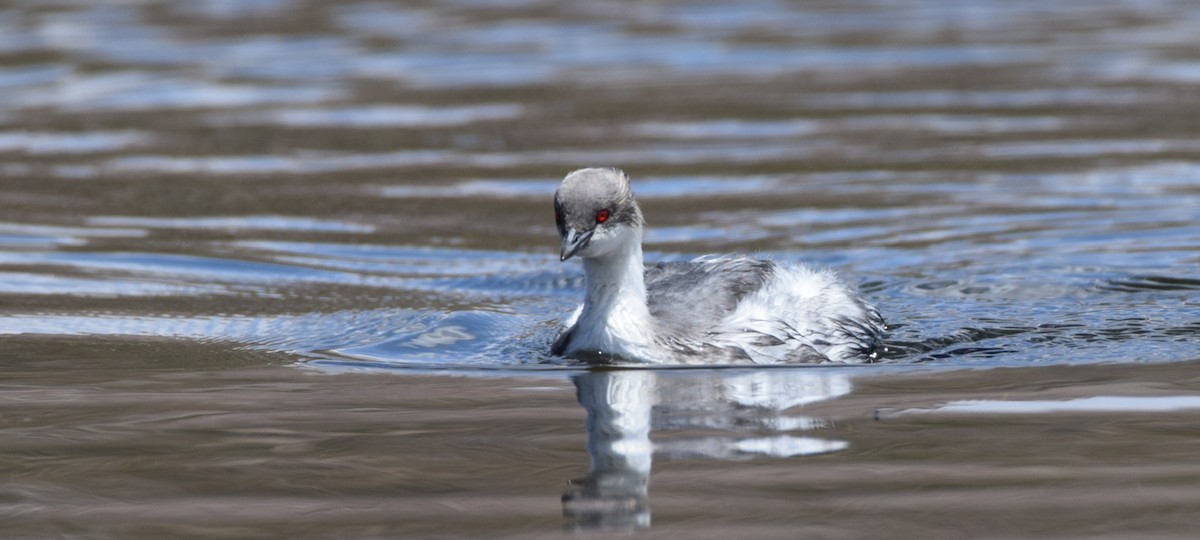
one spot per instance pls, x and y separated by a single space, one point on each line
280 267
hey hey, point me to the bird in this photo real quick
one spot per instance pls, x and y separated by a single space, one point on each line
711 310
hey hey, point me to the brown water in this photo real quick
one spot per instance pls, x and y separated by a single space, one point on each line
281 268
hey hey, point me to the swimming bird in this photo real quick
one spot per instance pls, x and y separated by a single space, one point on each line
729 309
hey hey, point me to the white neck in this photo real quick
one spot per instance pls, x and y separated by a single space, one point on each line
615 317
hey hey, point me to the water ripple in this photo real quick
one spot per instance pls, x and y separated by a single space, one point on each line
374 116
142 91
234 223
34 142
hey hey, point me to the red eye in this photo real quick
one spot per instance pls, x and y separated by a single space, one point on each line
601 216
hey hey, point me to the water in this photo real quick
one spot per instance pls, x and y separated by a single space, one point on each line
283 268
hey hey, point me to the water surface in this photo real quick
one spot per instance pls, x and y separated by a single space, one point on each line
287 268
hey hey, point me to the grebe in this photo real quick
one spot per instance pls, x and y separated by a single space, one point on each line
727 309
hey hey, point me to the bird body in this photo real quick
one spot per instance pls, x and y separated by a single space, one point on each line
710 310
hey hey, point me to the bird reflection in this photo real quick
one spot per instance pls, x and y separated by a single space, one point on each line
751 411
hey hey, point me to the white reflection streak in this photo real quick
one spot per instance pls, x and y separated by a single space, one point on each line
1085 405
375 116
41 142
256 222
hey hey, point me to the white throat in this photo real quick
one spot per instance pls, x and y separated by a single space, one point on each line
615 319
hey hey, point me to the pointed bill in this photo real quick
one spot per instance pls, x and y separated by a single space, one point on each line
573 241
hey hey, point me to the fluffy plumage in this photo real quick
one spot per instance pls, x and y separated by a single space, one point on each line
710 310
